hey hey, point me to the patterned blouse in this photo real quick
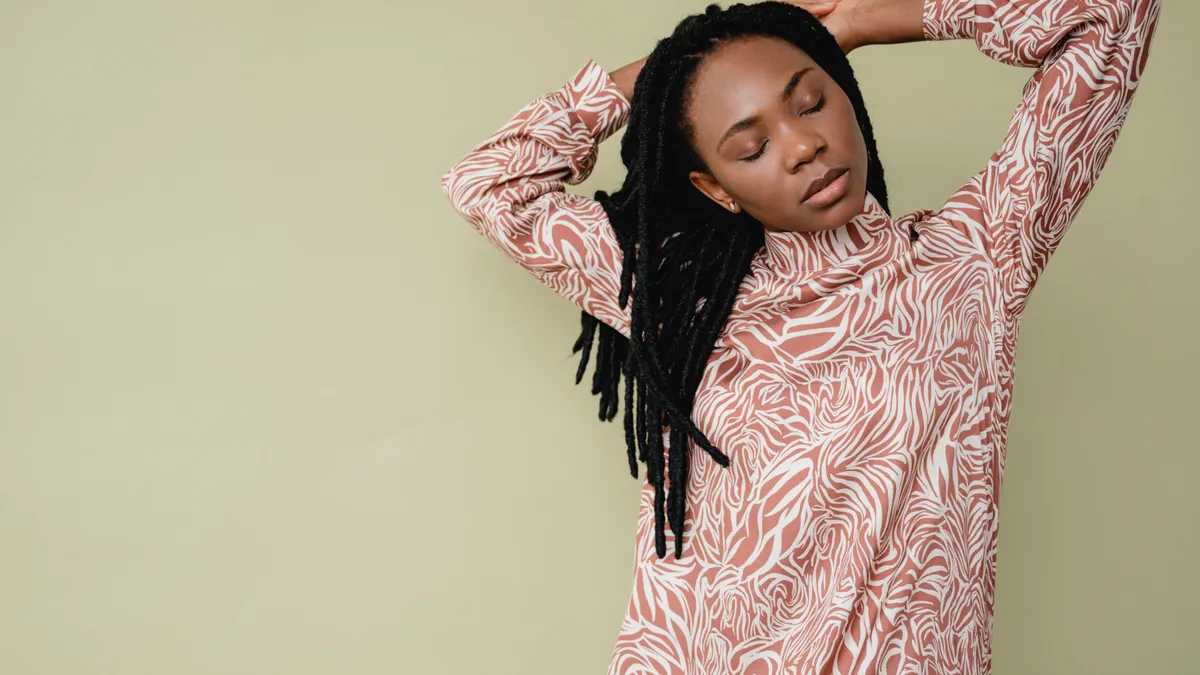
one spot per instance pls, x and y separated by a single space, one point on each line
862 383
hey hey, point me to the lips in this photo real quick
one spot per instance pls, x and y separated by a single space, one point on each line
822 182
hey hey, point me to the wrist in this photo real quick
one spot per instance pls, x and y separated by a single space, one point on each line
626 76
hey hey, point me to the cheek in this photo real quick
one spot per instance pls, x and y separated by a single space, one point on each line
848 130
860 149
750 184
852 148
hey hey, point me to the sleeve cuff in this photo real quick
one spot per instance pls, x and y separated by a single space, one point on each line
949 19
597 101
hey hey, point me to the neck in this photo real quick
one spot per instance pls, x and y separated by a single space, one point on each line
805 253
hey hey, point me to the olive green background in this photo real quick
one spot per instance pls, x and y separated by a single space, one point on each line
268 405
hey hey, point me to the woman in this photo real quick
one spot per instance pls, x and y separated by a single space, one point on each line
846 374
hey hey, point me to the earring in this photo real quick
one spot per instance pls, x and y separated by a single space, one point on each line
733 207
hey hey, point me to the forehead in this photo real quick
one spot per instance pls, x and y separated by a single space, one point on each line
739 78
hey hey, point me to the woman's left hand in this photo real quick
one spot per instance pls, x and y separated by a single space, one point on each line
835 15
855 23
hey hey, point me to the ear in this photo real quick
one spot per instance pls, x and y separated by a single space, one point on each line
711 188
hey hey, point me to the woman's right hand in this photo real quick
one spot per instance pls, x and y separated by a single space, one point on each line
626 76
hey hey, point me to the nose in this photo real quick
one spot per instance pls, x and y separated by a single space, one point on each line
802 144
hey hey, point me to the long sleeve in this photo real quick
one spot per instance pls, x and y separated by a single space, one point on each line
1089 55
510 188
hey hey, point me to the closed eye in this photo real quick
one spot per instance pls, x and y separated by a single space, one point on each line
756 155
815 109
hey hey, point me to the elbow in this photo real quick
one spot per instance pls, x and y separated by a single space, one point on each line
472 193
455 188
450 178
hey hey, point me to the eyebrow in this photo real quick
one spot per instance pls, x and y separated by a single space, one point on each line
742 125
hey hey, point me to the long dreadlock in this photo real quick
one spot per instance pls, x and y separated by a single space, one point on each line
685 256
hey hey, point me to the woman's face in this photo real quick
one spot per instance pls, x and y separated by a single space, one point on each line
773 128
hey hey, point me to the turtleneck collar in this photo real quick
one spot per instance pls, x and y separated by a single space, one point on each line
802 253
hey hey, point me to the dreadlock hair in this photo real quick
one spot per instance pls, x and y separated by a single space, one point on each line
684 257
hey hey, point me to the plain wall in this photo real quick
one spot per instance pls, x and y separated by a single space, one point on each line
268 405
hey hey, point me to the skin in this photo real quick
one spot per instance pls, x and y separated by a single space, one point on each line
745 78
766 168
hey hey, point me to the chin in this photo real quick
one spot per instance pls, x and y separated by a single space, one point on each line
853 204
839 214
831 218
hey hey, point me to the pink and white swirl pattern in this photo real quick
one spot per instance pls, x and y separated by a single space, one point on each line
861 386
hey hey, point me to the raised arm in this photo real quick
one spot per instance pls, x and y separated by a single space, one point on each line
510 188
1089 56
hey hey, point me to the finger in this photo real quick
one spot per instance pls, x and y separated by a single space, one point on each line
820 8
